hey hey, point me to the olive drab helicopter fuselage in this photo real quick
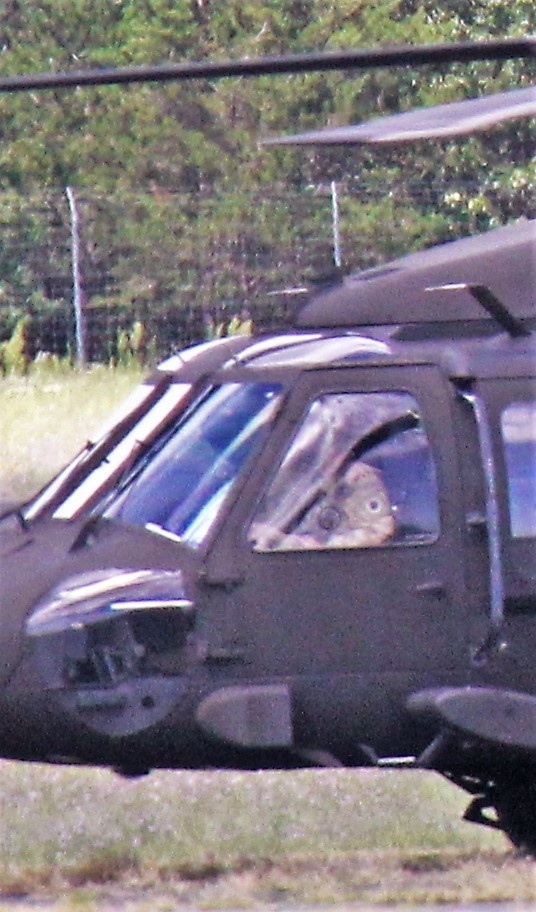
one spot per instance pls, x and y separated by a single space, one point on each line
315 547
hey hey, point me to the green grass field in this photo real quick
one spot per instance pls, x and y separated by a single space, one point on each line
221 839
228 838
47 416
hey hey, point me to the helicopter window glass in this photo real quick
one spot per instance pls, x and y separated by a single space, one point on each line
518 423
182 483
358 474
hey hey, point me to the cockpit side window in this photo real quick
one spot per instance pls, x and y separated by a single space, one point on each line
358 474
518 426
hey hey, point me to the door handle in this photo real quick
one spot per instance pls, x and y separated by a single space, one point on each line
476 520
431 587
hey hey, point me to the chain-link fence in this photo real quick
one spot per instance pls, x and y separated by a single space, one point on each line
105 277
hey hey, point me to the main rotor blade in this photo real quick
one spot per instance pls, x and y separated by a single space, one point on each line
440 121
406 55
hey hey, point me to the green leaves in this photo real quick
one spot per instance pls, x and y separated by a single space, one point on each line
186 135
212 219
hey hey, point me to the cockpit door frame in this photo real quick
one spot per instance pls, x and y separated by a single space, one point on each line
229 561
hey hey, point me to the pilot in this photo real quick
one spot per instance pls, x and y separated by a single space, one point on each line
354 511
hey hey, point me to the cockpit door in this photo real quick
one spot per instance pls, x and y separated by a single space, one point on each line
344 553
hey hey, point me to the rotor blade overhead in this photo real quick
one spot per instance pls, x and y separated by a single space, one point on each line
441 121
406 55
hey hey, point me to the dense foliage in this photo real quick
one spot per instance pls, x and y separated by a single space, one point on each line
182 213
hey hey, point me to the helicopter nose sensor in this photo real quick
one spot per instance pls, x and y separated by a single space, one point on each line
101 641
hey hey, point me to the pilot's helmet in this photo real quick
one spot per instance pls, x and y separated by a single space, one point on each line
358 508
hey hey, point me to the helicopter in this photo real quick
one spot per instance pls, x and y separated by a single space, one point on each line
309 548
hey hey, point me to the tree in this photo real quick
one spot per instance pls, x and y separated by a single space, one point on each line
183 211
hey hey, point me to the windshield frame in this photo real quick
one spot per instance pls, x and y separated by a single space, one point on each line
128 414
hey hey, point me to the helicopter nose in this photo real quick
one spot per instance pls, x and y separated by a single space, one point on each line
100 641
18 588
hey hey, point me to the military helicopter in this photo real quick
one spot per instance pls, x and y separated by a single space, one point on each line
310 548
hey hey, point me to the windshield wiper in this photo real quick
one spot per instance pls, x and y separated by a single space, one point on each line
159 530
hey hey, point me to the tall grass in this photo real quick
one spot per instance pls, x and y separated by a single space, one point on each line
312 835
173 819
47 415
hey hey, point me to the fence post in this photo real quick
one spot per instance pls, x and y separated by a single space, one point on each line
78 291
336 227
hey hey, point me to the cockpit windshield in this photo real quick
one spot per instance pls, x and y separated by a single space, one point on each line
179 488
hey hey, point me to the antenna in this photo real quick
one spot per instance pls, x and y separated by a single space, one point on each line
491 304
